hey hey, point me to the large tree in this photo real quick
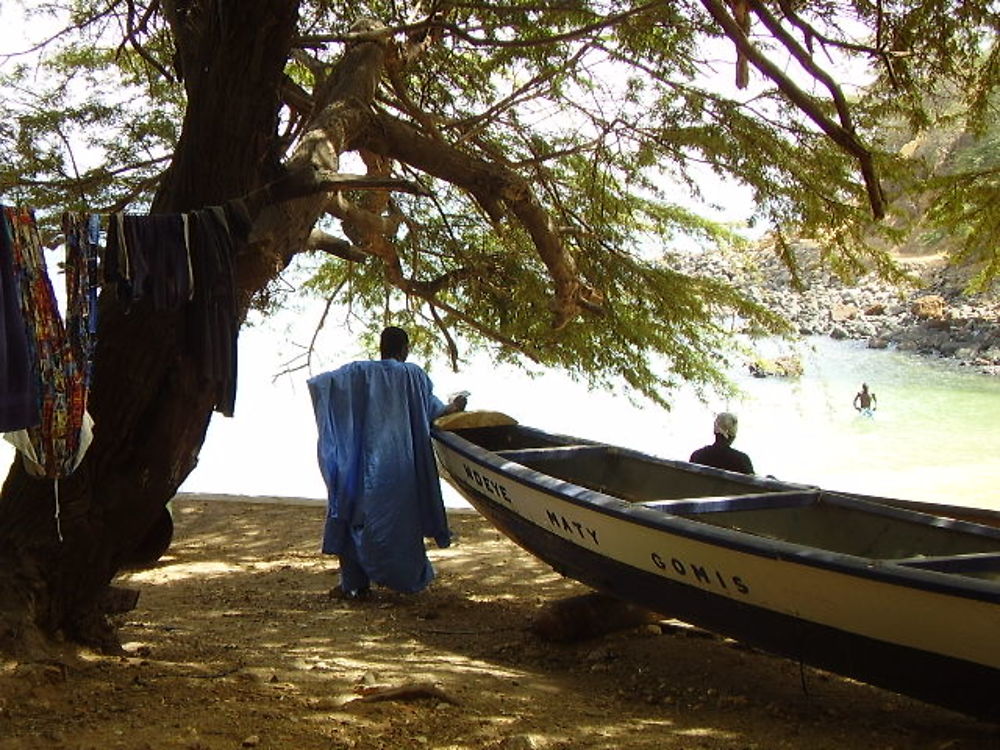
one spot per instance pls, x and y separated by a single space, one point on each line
514 170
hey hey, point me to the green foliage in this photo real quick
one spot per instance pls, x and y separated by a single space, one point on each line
89 125
957 153
964 207
621 117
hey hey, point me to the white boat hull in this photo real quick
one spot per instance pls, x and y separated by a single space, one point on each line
881 620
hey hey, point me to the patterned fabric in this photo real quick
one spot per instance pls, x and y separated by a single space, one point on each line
60 375
82 233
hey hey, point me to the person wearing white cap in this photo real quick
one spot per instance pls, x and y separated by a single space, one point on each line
721 454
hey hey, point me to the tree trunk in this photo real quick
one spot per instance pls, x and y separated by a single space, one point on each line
150 406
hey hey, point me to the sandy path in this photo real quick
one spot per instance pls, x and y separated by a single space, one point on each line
236 644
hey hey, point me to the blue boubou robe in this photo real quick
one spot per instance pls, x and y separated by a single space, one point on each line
375 454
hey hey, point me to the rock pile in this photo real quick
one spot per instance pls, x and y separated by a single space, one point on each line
933 317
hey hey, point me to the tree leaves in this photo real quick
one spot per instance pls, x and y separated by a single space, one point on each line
564 146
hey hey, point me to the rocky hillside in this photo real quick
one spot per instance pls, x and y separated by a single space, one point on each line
933 317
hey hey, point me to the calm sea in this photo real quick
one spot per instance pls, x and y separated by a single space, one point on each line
934 437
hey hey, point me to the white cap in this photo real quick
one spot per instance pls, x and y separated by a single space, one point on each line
725 424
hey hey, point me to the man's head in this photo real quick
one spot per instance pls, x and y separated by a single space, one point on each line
725 425
394 344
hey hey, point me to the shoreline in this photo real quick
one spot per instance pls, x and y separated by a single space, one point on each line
224 497
932 317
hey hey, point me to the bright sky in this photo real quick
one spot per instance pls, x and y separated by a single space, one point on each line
12 28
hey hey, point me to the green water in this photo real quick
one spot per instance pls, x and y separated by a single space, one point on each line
934 437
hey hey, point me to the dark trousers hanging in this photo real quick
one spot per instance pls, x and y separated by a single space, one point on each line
18 391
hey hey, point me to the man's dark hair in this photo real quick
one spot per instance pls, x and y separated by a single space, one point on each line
394 344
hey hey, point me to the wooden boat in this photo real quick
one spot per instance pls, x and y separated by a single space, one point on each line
901 599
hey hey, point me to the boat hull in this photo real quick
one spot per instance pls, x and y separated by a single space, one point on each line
878 626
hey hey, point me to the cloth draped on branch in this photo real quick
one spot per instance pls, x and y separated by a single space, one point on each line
18 381
217 234
55 445
173 260
82 233
46 364
185 260
149 256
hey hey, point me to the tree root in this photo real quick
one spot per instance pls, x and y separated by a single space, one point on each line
405 692
588 616
93 629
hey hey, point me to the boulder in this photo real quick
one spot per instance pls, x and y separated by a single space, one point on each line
841 312
928 307
782 367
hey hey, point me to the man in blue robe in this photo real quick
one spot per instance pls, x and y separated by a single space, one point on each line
374 450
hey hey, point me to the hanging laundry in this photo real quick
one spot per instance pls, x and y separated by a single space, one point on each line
173 259
82 233
55 446
149 256
212 323
18 390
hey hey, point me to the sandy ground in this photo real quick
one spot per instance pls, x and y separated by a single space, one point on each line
236 643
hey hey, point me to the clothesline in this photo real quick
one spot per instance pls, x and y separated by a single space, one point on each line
172 260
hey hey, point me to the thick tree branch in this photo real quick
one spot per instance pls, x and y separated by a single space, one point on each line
372 224
407 104
296 97
437 23
289 210
501 192
327 243
309 182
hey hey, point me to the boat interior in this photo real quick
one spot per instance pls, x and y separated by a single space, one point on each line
806 516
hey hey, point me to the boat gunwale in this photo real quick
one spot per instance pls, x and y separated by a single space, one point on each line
892 571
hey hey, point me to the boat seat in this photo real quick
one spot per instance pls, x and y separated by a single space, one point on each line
522 455
974 562
757 501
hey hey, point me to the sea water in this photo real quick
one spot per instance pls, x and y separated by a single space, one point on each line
934 437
